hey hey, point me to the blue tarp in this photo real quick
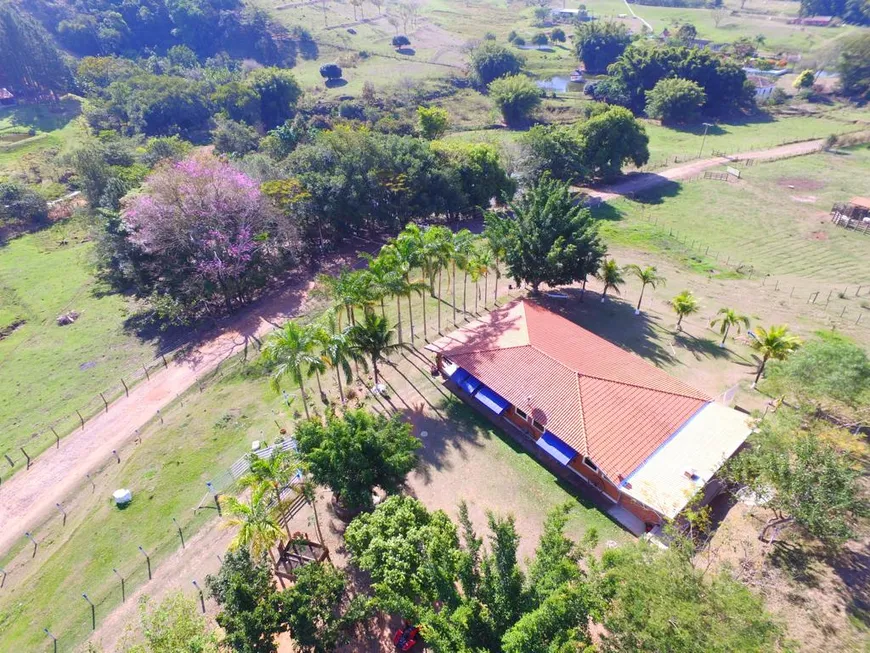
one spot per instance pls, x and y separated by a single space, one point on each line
556 448
464 380
492 400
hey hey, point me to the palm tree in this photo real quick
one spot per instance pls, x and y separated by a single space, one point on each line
291 350
728 318
256 520
496 234
275 472
337 351
484 260
648 276
611 274
373 337
463 247
684 304
776 343
379 270
407 249
347 290
437 247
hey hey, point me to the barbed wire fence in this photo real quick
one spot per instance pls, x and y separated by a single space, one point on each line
129 577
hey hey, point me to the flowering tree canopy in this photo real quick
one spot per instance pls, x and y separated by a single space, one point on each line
204 229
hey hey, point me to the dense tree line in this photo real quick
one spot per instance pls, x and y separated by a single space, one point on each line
89 27
641 67
851 11
31 63
854 67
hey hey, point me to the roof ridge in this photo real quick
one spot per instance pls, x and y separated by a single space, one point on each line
483 351
702 396
582 416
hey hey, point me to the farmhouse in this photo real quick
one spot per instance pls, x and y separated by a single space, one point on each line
7 98
647 441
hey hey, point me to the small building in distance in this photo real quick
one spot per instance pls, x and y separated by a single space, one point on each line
648 442
855 214
7 98
569 15
813 21
763 86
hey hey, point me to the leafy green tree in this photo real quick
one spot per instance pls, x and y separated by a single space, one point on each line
279 92
290 351
502 584
556 149
275 471
251 608
238 101
611 139
808 482
32 63
686 34
805 79
540 39
432 122
684 304
829 374
557 35
727 318
648 276
657 601
854 66
675 100
337 351
775 342
599 43
641 67
400 41
20 206
356 452
412 555
330 71
319 610
372 337
550 239
557 624
489 61
173 626
479 171
612 275
516 96
231 137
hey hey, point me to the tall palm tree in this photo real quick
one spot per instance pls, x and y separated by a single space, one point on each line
256 520
485 263
611 274
379 270
648 276
684 304
776 343
337 351
372 337
407 250
291 352
347 290
476 267
497 235
728 318
275 472
463 247
437 248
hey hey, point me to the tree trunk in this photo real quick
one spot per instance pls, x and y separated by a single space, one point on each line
340 387
760 371
304 398
313 502
454 292
476 294
375 368
425 324
495 288
319 387
640 299
485 288
604 293
411 319
399 313
679 322
465 294
383 309
439 300
725 335
583 289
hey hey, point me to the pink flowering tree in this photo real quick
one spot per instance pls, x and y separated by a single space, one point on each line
204 229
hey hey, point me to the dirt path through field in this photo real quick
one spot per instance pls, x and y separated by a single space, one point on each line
645 180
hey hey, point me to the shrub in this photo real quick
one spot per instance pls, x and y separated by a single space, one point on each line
401 41
516 97
330 71
432 122
540 39
490 61
675 100
557 35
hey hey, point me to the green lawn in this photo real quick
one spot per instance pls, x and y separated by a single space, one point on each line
48 371
760 221
55 127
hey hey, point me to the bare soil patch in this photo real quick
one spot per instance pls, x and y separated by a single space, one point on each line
800 183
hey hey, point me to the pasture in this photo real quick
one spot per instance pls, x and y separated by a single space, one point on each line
48 371
52 128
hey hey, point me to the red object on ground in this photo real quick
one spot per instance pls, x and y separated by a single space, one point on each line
406 637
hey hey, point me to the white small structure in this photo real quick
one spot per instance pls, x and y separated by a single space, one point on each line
122 497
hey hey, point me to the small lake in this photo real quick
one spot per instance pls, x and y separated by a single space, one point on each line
559 84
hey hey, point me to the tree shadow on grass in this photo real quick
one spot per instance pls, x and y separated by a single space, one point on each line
853 568
335 83
700 347
797 561
408 52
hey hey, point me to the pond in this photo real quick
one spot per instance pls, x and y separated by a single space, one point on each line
558 83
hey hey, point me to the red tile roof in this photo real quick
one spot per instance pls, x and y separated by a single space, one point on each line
606 403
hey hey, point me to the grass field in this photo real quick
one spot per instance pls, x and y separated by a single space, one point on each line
774 219
54 127
48 371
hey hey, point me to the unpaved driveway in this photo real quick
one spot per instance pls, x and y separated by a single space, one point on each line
645 180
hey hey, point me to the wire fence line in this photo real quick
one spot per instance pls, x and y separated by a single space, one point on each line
25 447
127 578
835 302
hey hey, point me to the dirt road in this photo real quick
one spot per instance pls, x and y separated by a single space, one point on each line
645 180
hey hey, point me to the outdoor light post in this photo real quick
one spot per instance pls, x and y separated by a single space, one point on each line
180 534
707 126
147 561
123 590
30 537
93 611
53 638
201 596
